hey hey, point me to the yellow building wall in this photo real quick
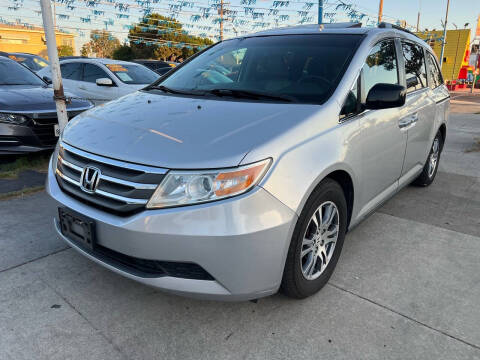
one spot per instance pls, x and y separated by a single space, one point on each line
20 39
456 45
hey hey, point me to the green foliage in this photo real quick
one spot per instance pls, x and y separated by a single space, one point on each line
155 30
123 52
65 50
102 43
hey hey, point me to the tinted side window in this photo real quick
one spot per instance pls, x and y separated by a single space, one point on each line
434 71
416 75
71 71
380 66
93 72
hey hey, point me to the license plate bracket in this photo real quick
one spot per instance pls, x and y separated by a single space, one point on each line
77 227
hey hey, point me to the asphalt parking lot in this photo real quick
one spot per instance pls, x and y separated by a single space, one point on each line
407 286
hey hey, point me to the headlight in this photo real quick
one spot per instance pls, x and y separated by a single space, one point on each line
13 119
193 187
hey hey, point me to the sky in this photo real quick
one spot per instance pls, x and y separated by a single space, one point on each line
460 12
81 16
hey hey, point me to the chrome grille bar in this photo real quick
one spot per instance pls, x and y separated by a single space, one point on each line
110 178
104 193
122 187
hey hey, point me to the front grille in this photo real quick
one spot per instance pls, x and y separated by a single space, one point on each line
43 127
45 132
123 188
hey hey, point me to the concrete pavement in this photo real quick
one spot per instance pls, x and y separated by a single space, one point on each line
407 286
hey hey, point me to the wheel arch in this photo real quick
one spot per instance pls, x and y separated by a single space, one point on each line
346 181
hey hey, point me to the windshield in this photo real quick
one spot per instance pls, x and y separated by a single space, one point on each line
133 74
12 73
31 61
300 68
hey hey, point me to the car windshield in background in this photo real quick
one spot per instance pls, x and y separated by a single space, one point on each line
133 74
12 73
294 68
31 61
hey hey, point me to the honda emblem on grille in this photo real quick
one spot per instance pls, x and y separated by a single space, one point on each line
89 179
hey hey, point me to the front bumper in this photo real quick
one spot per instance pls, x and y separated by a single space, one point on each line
241 242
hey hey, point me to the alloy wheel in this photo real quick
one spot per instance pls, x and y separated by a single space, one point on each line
433 158
319 240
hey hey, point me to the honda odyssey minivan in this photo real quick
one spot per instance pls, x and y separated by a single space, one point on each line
240 172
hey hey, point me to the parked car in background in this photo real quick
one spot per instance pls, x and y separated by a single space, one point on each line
31 61
239 173
28 117
102 80
159 66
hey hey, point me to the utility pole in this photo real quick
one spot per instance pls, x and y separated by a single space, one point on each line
55 14
221 20
418 15
444 34
58 94
320 11
380 11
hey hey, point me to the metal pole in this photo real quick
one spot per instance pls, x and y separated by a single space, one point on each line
58 94
418 15
320 11
55 14
444 34
380 11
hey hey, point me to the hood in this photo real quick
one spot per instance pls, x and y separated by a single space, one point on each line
29 98
179 132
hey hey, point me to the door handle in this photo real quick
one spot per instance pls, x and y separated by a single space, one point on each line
82 87
404 122
408 120
414 117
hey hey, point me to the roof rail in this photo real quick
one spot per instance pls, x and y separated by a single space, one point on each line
341 25
385 25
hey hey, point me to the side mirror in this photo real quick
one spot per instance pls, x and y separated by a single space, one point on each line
47 79
385 96
104 82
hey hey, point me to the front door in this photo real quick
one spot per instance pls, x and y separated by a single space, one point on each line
384 140
90 89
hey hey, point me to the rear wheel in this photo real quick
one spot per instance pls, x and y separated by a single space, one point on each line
317 241
430 169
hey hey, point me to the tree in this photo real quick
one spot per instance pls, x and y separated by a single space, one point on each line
65 50
101 43
158 36
123 52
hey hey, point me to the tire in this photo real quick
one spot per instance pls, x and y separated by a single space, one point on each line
297 282
431 166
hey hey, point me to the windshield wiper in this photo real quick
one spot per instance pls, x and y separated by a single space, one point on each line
247 94
171 91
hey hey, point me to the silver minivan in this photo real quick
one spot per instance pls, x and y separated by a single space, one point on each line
239 173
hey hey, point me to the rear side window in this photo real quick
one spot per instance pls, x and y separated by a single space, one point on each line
415 71
93 72
434 71
380 66
71 71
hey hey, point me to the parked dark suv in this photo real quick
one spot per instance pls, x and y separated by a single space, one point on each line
28 117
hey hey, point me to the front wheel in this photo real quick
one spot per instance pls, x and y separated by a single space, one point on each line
317 241
430 169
